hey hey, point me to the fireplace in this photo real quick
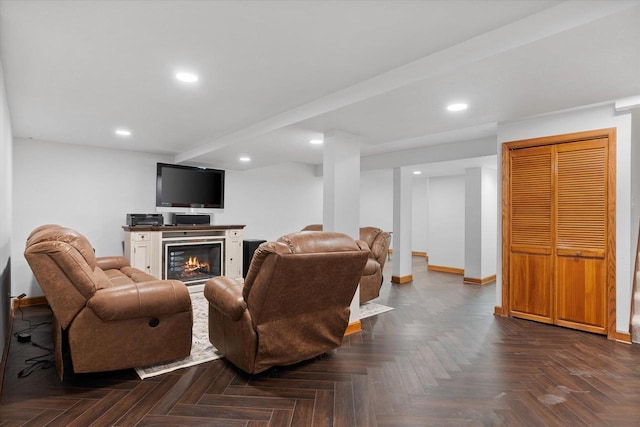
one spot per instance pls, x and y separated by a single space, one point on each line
193 262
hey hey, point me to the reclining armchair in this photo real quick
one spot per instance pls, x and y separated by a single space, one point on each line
106 314
293 305
371 280
378 242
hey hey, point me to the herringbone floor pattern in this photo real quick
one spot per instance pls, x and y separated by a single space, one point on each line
439 359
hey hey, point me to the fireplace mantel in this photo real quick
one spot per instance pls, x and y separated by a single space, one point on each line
144 246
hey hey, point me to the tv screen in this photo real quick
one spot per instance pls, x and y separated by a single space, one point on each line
189 187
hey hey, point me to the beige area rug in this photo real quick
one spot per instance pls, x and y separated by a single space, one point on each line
369 309
201 349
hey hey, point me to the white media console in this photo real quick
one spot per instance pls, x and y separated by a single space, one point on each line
192 254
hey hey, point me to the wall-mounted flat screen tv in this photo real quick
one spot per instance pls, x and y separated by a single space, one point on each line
179 186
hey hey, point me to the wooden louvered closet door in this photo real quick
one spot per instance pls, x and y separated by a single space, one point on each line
531 245
558 234
581 235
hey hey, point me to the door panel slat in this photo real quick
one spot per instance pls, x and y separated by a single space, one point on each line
531 198
581 189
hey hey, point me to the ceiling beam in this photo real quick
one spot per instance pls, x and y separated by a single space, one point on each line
554 20
432 154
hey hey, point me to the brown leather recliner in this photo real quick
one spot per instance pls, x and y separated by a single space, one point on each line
378 242
293 305
371 280
106 314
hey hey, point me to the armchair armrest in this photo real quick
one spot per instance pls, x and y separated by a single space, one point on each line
363 245
143 299
112 262
225 294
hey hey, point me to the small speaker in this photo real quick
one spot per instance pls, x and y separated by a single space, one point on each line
188 219
248 248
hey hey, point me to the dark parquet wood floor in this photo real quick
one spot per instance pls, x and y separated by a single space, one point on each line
441 358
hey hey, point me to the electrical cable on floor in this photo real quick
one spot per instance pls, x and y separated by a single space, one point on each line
32 326
37 361
43 361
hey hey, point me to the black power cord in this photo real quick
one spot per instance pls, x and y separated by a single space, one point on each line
32 326
43 361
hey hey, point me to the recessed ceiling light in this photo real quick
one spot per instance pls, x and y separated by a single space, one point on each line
245 159
123 132
187 77
417 172
316 141
457 107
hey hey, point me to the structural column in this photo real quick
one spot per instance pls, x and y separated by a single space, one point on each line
481 226
341 193
341 184
402 193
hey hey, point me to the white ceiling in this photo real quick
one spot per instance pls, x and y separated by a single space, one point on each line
274 74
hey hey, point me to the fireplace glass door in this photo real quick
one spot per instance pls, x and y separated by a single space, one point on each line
193 262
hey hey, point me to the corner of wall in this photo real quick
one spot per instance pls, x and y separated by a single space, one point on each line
6 185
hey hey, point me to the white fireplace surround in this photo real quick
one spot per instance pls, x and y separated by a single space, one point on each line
144 246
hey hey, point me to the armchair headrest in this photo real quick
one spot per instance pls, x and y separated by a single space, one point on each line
369 234
305 242
42 228
55 233
63 262
313 227
302 242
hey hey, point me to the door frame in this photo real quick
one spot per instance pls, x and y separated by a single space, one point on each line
610 134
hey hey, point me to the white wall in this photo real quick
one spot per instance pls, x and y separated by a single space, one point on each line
489 222
341 181
635 183
578 121
401 267
376 205
376 199
272 201
92 190
480 223
6 155
473 210
88 189
420 215
446 217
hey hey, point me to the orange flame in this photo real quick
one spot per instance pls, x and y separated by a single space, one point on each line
194 264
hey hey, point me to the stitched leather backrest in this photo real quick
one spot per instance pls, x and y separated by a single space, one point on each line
63 262
378 242
299 290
